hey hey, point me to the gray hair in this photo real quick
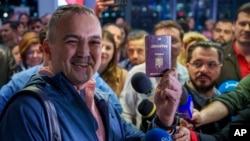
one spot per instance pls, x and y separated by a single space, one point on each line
60 11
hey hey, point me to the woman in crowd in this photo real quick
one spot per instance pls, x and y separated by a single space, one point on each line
189 39
24 18
109 70
31 54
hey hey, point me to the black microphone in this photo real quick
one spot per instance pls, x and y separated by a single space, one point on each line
147 109
141 83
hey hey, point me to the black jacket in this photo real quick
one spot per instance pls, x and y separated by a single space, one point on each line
230 69
7 65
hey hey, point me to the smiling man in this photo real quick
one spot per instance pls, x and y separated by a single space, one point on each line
86 113
237 53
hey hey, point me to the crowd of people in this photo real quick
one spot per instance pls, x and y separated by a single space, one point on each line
86 70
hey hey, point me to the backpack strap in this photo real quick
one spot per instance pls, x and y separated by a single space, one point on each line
50 111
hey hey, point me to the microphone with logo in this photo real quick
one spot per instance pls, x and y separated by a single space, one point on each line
157 134
228 86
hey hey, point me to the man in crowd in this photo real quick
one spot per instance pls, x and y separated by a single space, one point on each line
204 63
35 24
19 80
237 54
135 49
9 34
223 32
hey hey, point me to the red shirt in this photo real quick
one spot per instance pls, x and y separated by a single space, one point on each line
193 136
243 64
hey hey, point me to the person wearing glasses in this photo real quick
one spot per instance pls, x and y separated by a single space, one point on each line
204 63
30 52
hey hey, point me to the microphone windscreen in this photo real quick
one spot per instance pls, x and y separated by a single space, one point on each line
147 108
157 134
228 86
141 83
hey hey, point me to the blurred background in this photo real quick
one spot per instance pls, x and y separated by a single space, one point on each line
141 14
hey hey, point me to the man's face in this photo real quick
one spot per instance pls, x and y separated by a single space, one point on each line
36 27
136 51
204 68
242 28
117 33
223 32
76 50
176 41
7 33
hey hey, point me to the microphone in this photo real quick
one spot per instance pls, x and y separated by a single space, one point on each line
142 84
228 86
147 109
157 134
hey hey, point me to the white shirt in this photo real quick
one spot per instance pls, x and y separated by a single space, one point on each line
130 99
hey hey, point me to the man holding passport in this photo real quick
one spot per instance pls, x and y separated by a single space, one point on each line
130 99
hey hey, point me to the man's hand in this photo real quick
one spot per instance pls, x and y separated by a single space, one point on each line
102 5
197 119
186 124
183 134
167 97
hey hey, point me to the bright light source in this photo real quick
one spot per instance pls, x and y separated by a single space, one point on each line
5 14
106 14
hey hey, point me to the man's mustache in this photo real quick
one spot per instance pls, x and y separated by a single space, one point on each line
203 75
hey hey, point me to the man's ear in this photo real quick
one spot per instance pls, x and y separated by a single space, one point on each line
46 47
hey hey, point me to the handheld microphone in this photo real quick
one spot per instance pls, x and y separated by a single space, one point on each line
157 134
147 109
228 86
142 84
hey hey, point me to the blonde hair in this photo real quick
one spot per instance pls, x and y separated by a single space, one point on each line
28 39
189 38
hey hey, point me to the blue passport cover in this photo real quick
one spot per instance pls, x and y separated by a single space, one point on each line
158 55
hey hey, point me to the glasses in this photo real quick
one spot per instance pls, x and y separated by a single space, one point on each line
209 65
31 52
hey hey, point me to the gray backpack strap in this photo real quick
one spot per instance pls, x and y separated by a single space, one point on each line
50 111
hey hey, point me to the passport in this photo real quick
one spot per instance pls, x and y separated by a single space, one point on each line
158 55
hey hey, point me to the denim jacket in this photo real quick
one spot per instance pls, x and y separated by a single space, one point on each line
25 117
19 80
